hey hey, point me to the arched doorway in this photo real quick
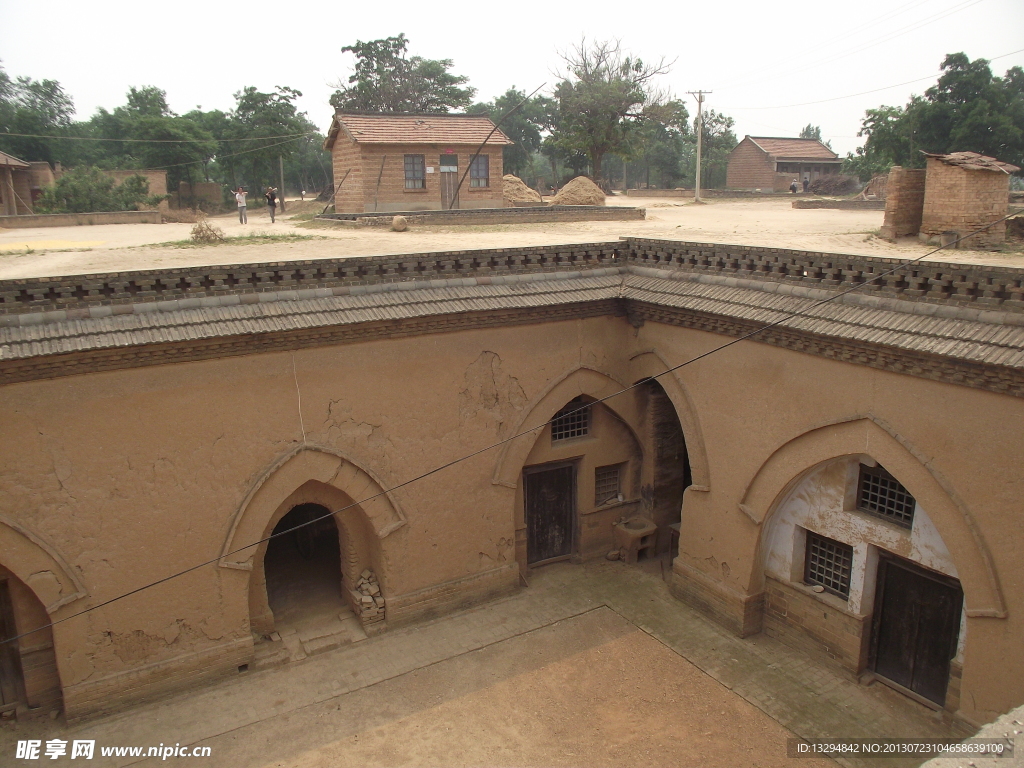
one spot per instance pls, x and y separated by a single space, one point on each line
303 569
28 665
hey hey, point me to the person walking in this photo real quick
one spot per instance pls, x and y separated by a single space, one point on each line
793 187
240 199
807 183
271 195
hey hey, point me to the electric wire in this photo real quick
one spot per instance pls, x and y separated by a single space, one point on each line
156 141
786 317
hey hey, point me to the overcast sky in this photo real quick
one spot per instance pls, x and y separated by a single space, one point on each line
763 61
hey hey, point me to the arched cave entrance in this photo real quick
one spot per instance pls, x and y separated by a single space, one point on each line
303 569
28 665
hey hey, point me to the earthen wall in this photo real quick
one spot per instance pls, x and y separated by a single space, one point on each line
904 202
960 200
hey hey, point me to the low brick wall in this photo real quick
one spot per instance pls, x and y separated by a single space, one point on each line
904 202
494 215
804 622
842 205
738 193
79 219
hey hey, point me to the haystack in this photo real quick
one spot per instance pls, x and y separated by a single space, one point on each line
579 191
514 190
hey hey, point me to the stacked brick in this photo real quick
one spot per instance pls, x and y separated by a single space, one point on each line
963 199
369 602
904 202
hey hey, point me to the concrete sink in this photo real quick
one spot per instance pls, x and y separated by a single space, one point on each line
635 537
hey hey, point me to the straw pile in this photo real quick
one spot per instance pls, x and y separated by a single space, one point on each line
579 191
514 190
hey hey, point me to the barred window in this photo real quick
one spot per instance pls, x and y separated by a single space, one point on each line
879 493
415 172
607 483
480 172
572 421
828 563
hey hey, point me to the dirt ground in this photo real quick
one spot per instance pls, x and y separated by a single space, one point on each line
770 222
590 691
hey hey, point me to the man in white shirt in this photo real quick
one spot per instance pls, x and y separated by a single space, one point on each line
240 199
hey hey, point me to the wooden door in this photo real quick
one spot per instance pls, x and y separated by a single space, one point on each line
550 513
916 626
449 169
10 661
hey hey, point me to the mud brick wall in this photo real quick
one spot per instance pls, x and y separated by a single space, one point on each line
904 202
961 200
348 173
750 168
816 627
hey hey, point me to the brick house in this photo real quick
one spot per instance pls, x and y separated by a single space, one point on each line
771 163
965 191
410 162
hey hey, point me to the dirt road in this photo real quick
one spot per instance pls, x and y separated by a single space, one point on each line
771 222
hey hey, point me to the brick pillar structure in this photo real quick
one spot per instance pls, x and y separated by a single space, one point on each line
904 202
959 199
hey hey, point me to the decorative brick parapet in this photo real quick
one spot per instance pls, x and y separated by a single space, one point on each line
78 293
927 281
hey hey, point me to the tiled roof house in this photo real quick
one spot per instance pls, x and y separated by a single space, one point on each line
771 164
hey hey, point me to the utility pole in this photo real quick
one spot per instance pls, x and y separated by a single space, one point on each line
280 160
699 95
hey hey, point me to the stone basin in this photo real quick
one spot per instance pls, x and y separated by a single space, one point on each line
637 523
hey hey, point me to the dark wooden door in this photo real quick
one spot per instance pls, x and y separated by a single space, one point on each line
449 169
10 663
550 513
917 622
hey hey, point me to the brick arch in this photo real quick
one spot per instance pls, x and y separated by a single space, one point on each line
652 365
579 381
39 565
870 436
316 475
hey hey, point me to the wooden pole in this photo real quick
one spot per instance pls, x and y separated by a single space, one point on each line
699 95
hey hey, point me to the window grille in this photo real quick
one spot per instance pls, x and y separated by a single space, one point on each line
572 421
479 172
879 493
607 483
828 563
415 172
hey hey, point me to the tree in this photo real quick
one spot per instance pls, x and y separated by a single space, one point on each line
604 96
526 127
717 142
385 80
658 148
968 109
35 107
813 132
88 189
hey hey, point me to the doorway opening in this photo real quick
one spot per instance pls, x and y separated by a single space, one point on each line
303 569
550 512
449 170
12 686
916 628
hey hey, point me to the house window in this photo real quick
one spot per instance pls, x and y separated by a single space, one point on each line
480 172
607 484
415 172
572 421
879 493
828 563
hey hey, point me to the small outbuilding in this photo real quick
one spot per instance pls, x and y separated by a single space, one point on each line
771 163
15 185
414 162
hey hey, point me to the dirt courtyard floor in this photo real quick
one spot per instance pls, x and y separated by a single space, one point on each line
590 665
770 222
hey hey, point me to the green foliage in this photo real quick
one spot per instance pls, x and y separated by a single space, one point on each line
967 110
603 99
525 127
718 141
88 189
811 132
37 107
385 80
658 152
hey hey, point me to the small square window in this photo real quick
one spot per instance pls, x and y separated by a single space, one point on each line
572 421
828 562
607 483
415 172
479 172
879 493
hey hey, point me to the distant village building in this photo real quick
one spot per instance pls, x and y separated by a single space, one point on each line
772 164
408 162
21 183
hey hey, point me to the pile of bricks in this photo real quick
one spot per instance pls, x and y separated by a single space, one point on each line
368 599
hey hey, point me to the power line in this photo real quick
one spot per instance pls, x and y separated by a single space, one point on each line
863 93
156 141
220 157
786 317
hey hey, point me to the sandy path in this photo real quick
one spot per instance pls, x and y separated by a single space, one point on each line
771 222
